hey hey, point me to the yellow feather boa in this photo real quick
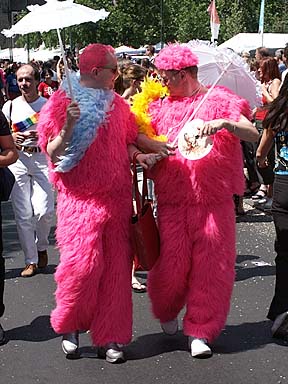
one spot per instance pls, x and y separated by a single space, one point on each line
151 90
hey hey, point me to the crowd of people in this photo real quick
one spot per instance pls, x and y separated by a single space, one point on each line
82 145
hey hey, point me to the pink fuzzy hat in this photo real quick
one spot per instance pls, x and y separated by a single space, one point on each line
93 56
176 56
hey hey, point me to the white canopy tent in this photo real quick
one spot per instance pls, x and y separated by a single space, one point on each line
251 41
21 54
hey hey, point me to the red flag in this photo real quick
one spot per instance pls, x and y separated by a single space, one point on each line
214 21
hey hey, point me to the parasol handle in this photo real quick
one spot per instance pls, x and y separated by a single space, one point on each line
65 65
204 99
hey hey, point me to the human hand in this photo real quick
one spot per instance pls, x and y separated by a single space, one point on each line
148 160
33 134
72 114
211 127
262 162
19 137
163 149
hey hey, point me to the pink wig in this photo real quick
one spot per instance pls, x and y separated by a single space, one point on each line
176 56
93 56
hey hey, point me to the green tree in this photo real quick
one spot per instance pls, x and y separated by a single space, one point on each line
137 22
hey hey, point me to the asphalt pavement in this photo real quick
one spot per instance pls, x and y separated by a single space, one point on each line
244 352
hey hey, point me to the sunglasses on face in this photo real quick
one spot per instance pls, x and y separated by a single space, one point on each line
112 69
170 74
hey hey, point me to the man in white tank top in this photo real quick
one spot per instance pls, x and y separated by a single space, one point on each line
32 195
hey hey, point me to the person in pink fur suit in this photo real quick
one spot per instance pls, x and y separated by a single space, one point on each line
195 201
88 142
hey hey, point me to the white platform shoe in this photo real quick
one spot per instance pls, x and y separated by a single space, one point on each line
199 347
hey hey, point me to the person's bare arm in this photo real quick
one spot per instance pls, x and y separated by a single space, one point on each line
149 145
264 147
146 160
9 153
243 128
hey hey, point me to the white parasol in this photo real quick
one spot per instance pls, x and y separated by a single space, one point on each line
55 15
221 67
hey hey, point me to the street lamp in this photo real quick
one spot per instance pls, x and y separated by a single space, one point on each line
9 14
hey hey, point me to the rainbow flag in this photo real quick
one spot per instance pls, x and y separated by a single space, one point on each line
22 126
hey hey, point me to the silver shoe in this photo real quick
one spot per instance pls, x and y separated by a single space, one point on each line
280 326
112 353
70 343
170 327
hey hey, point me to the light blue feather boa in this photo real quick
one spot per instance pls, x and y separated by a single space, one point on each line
95 105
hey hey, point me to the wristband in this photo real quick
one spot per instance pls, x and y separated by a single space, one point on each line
135 154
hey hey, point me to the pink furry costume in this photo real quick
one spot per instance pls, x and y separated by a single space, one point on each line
196 213
93 210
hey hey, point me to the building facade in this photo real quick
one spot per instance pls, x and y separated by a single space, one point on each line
8 13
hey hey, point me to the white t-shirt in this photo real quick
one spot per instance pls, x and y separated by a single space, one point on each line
22 110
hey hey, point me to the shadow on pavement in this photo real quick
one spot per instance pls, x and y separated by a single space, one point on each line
38 330
244 273
246 336
14 273
155 344
234 339
254 218
241 258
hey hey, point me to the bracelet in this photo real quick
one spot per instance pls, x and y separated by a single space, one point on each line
135 154
233 128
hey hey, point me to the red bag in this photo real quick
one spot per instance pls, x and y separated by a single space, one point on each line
145 235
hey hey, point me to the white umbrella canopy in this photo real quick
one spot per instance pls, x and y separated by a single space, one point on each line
54 15
225 67
124 49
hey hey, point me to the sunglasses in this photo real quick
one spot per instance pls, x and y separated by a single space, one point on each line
112 69
171 73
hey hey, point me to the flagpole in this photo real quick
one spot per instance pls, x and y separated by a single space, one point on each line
261 22
161 24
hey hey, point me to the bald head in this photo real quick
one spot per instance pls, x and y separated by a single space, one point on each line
94 56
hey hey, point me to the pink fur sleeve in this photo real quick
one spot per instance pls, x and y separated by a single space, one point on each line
128 118
132 130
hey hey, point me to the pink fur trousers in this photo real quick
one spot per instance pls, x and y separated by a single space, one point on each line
94 275
196 267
